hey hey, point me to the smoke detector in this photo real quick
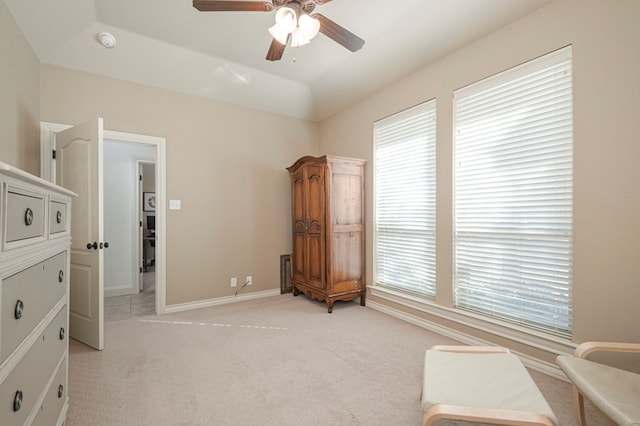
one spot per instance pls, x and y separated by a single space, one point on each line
107 40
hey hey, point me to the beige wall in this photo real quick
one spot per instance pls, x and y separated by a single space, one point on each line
19 97
606 37
227 165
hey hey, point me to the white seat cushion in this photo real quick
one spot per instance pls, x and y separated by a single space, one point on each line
488 380
615 392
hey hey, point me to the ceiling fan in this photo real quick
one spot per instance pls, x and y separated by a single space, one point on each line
295 21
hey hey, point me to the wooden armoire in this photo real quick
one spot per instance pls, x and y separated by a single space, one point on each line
327 262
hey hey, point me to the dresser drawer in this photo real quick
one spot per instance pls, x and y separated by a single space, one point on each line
57 217
25 216
27 297
55 399
23 386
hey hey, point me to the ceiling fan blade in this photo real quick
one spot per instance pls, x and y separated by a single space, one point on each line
339 34
232 6
275 50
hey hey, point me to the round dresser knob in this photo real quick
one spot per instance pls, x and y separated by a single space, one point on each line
28 216
17 401
61 333
59 217
60 391
60 276
19 309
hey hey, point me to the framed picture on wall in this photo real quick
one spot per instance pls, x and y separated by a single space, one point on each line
149 201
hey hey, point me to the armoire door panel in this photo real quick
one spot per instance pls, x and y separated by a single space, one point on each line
298 197
346 199
316 260
315 195
346 263
298 267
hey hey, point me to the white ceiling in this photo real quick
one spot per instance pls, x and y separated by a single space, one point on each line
221 55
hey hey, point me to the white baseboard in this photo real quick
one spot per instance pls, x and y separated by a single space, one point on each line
533 363
181 307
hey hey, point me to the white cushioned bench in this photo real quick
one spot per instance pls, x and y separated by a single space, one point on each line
481 384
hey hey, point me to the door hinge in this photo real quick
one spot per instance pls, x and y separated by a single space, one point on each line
53 154
140 177
140 270
140 224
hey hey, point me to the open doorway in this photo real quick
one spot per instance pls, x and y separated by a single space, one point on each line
144 300
129 197
48 172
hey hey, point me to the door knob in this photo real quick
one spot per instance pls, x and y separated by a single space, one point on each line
92 246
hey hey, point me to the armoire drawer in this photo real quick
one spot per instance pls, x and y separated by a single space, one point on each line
54 400
27 297
23 386
57 217
25 216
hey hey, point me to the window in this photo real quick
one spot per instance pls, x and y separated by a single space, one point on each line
405 176
513 194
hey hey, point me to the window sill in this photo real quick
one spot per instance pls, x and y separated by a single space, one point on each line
529 337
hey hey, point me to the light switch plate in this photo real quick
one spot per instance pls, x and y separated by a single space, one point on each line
175 204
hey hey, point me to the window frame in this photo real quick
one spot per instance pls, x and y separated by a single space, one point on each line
563 329
407 121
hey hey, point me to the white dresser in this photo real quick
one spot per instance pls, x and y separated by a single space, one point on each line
35 223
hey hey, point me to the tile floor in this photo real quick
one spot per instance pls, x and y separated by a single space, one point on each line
124 307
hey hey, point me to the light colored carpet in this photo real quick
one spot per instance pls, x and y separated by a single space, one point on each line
276 361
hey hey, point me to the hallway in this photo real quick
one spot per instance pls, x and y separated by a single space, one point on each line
125 307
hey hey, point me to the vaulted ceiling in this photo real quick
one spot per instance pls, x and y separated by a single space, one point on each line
221 55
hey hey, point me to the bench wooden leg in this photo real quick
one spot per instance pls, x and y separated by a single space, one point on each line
578 406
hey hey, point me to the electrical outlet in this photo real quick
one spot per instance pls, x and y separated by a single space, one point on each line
234 282
249 280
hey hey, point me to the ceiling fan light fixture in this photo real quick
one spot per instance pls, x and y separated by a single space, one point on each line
279 34
286 19
298 38
309 26
294 19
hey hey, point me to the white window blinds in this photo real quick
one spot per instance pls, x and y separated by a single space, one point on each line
405 174
513 195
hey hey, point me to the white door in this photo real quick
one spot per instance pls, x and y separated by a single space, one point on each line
79 169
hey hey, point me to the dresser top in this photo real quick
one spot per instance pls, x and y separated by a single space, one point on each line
10 170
